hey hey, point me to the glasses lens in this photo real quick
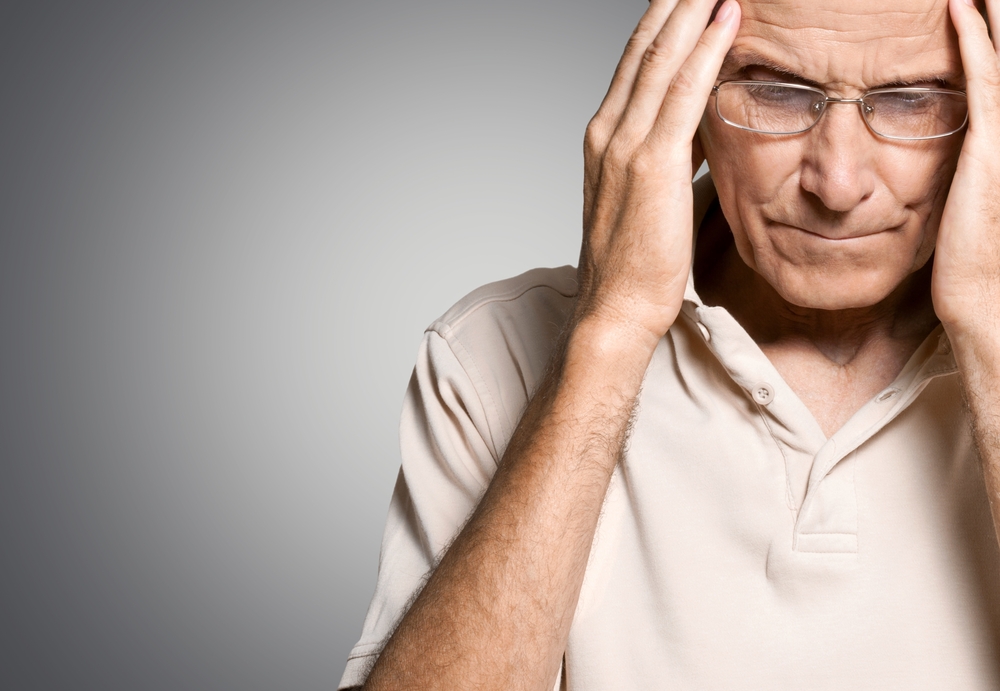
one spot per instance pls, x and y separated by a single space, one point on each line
915 113
766 107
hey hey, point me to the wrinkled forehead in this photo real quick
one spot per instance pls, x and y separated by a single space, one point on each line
852 44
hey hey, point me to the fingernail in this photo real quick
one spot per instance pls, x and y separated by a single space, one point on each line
970 3
726 11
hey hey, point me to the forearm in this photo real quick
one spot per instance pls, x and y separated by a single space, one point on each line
978 356
497 610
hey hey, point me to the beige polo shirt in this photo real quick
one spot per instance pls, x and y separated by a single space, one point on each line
738 547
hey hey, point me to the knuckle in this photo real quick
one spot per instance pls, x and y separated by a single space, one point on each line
596 136
639 39
683 84
656 55
617 156
642 163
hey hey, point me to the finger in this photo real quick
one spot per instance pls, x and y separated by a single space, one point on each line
660 64
992 8
605 121
621 84
979 58
678 118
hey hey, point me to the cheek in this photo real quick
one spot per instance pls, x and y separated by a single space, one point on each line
758 177
756 164
752 172
917 175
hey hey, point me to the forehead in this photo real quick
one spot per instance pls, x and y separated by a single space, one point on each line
850 43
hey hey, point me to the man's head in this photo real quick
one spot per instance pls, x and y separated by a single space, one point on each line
836 217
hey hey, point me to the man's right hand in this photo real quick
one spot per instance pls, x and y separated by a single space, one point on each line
496 612
640 154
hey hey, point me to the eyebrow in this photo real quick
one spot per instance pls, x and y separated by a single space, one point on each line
739 59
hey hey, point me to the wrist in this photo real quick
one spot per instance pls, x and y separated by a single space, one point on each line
628 330
613 351
976 349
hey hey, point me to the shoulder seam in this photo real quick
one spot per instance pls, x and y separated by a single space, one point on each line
479 385
507 296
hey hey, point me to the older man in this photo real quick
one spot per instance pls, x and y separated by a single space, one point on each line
763 468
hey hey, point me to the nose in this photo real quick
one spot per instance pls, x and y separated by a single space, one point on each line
839 163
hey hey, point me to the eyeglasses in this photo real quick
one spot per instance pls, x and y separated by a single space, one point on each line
898 113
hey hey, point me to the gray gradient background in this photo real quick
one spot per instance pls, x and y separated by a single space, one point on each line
223 228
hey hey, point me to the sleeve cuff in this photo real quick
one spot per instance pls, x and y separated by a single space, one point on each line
358 666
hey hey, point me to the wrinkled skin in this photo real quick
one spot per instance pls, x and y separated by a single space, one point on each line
835 228
836 217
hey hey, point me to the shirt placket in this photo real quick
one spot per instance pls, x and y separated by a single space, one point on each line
820 472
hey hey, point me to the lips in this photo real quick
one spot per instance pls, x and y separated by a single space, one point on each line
840 234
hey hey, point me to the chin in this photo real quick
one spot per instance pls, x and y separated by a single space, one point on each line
818 290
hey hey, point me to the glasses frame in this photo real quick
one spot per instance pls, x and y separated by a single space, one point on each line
827 100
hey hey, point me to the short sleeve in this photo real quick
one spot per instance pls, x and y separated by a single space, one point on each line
446 466
475 371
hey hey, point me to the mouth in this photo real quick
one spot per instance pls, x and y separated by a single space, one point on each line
840 234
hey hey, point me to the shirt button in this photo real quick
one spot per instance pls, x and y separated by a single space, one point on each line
763 393
704 332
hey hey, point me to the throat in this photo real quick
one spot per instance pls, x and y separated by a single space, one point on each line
832 391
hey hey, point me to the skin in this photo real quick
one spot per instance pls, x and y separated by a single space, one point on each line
836 217
833 226
837 308
965 285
